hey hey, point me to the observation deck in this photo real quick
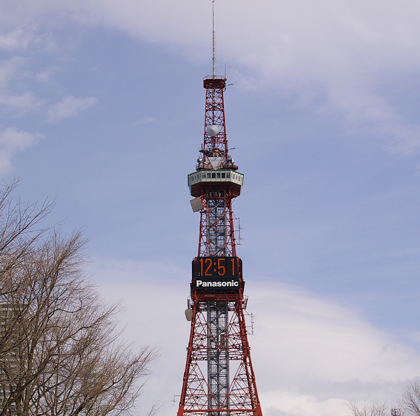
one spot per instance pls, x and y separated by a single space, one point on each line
205 178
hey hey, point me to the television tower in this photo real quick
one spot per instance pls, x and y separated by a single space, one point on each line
219 378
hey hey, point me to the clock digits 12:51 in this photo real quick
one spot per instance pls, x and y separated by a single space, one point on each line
224 267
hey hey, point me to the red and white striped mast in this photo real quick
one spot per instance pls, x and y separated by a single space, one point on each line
219 378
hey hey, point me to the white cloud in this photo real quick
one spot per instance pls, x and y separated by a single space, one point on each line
287 403
370 114
20 104
310 355
9 69
325 340
331 54
300 42
69 107
15 40
11 142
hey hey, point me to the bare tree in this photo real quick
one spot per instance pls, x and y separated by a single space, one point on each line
375 409
410 398
60 353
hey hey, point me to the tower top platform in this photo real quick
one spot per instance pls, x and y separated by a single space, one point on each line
214 82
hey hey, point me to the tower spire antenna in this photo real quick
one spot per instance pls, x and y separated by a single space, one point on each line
214 43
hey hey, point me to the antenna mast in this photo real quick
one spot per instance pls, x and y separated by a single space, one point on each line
214 44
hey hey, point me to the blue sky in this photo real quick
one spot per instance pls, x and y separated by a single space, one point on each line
102 109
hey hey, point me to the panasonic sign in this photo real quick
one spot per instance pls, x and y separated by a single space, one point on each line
217 284
228 285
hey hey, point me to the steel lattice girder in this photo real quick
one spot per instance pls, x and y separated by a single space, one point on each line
241 395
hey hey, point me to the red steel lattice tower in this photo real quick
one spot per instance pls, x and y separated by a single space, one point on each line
219 378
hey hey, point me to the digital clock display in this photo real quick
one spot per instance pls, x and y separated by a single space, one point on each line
217 273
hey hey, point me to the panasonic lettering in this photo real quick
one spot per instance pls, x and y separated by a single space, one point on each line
231 283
